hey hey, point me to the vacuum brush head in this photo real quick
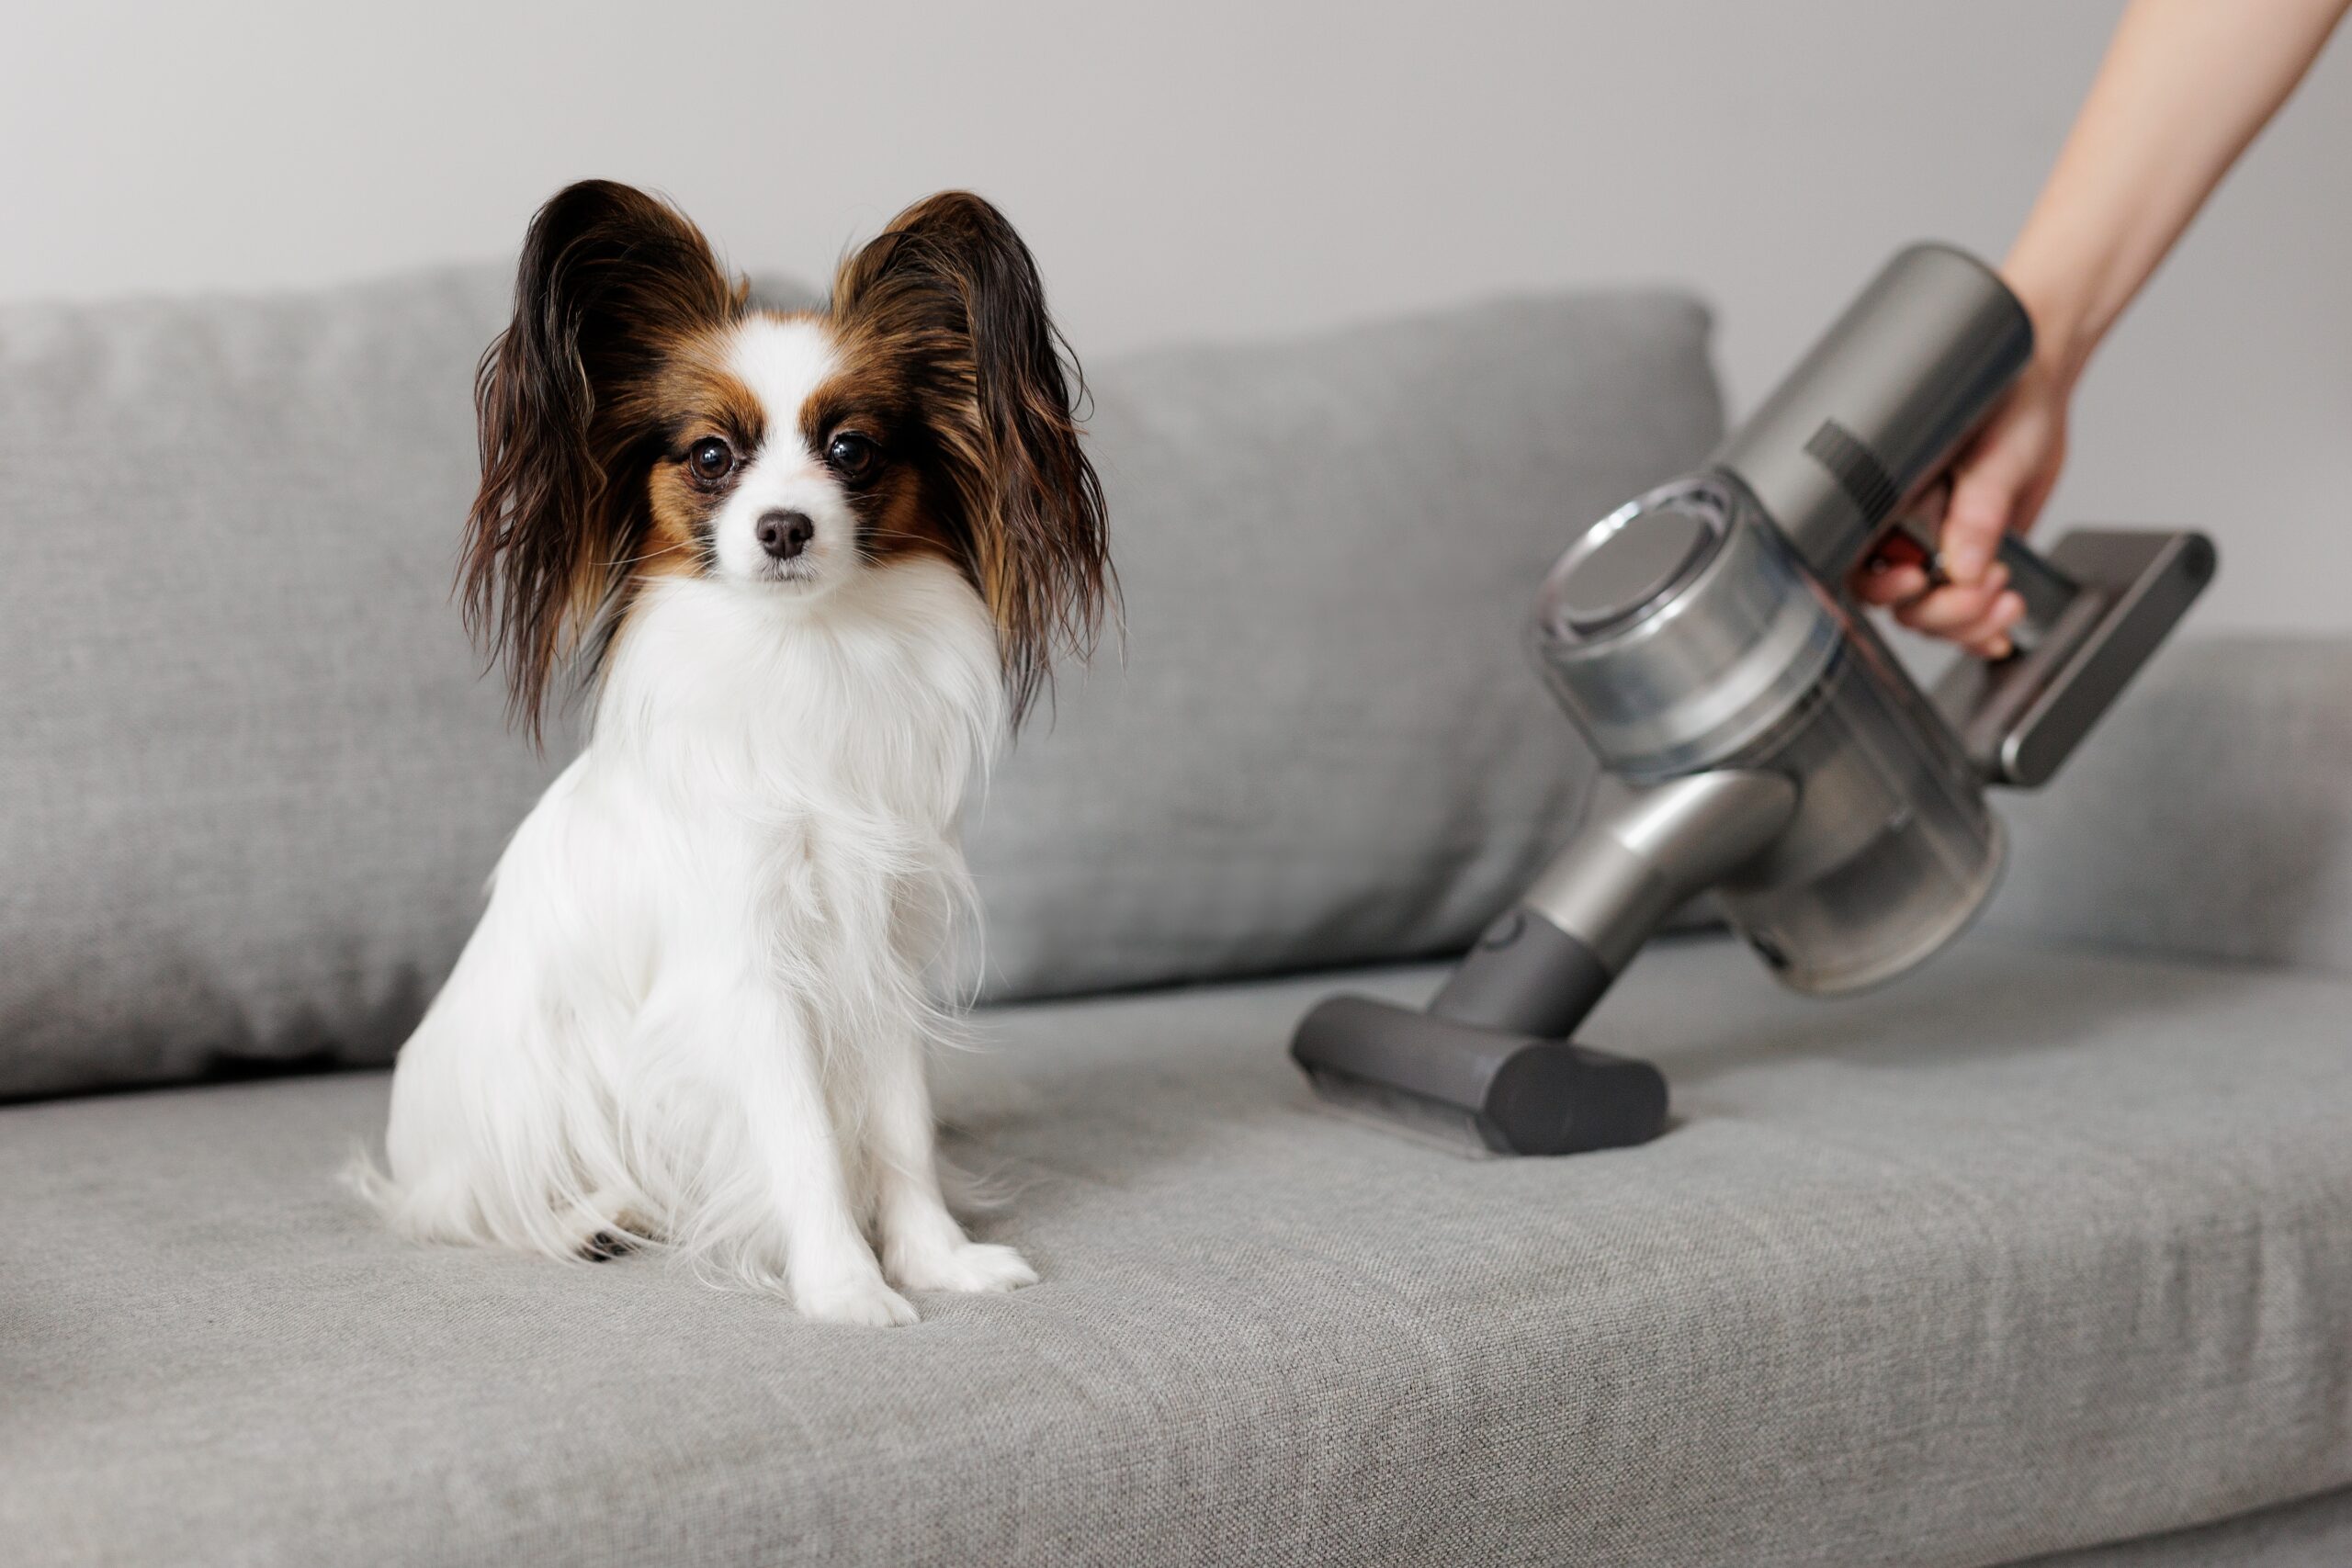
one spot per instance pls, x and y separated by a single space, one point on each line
1476 1088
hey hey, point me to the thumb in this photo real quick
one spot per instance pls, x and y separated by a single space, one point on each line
1987 488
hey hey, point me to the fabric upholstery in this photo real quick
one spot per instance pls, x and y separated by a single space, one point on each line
2311 1532
1325 744
2031 1252
2209 814
253 784
253 781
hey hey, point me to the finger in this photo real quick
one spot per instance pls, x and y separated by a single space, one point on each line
1889 585
1948 610
2030 504
1987 637
1945 610
1973 528
1986 491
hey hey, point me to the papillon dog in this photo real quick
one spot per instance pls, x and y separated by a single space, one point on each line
808 568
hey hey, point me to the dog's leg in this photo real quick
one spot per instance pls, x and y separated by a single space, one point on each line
922 1247
772 1076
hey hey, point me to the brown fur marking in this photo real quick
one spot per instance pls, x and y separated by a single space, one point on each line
615 366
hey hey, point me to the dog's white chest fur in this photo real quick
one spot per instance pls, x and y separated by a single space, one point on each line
795 774
695 1009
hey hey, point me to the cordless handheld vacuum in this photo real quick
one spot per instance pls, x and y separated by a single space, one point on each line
1758 740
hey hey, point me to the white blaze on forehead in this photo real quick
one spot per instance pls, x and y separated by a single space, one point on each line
783 362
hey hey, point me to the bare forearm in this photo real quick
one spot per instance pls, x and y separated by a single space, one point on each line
2186 84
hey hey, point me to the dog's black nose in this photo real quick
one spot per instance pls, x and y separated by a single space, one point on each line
784 534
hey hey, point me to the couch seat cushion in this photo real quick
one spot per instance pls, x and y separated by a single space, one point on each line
2033 1251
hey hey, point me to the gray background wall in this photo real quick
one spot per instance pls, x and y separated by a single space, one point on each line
1228 170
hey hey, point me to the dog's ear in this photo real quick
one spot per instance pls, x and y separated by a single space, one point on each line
611 281
950 297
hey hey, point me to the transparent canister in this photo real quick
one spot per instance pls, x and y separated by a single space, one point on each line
1683 634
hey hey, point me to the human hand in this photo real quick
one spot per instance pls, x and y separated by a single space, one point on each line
2185 87
1999 483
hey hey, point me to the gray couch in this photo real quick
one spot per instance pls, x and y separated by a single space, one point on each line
2044 1254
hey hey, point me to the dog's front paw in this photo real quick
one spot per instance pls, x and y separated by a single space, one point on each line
963 1266
867 1303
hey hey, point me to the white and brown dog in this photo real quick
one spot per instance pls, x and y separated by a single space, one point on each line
811 565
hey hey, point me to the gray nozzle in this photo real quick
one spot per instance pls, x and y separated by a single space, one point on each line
1511 1093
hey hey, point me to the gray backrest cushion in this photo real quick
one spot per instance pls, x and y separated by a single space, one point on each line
2210 815
1325 744
251 782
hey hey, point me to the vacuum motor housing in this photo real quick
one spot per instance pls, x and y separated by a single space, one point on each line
1739 658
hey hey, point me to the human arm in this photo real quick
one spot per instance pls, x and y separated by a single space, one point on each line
2186 86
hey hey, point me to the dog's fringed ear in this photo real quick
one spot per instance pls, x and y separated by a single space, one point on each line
951 294
611 279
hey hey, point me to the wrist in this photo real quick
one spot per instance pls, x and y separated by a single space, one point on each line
2064 331
2060 296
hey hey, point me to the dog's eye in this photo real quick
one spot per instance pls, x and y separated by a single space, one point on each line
710 459
853 456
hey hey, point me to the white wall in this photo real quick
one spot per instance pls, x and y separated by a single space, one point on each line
1216 169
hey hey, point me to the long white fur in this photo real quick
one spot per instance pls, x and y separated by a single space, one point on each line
697 1010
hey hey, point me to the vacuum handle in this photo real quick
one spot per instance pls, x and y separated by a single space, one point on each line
2097 607
2118 594
2047 592
2046 588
